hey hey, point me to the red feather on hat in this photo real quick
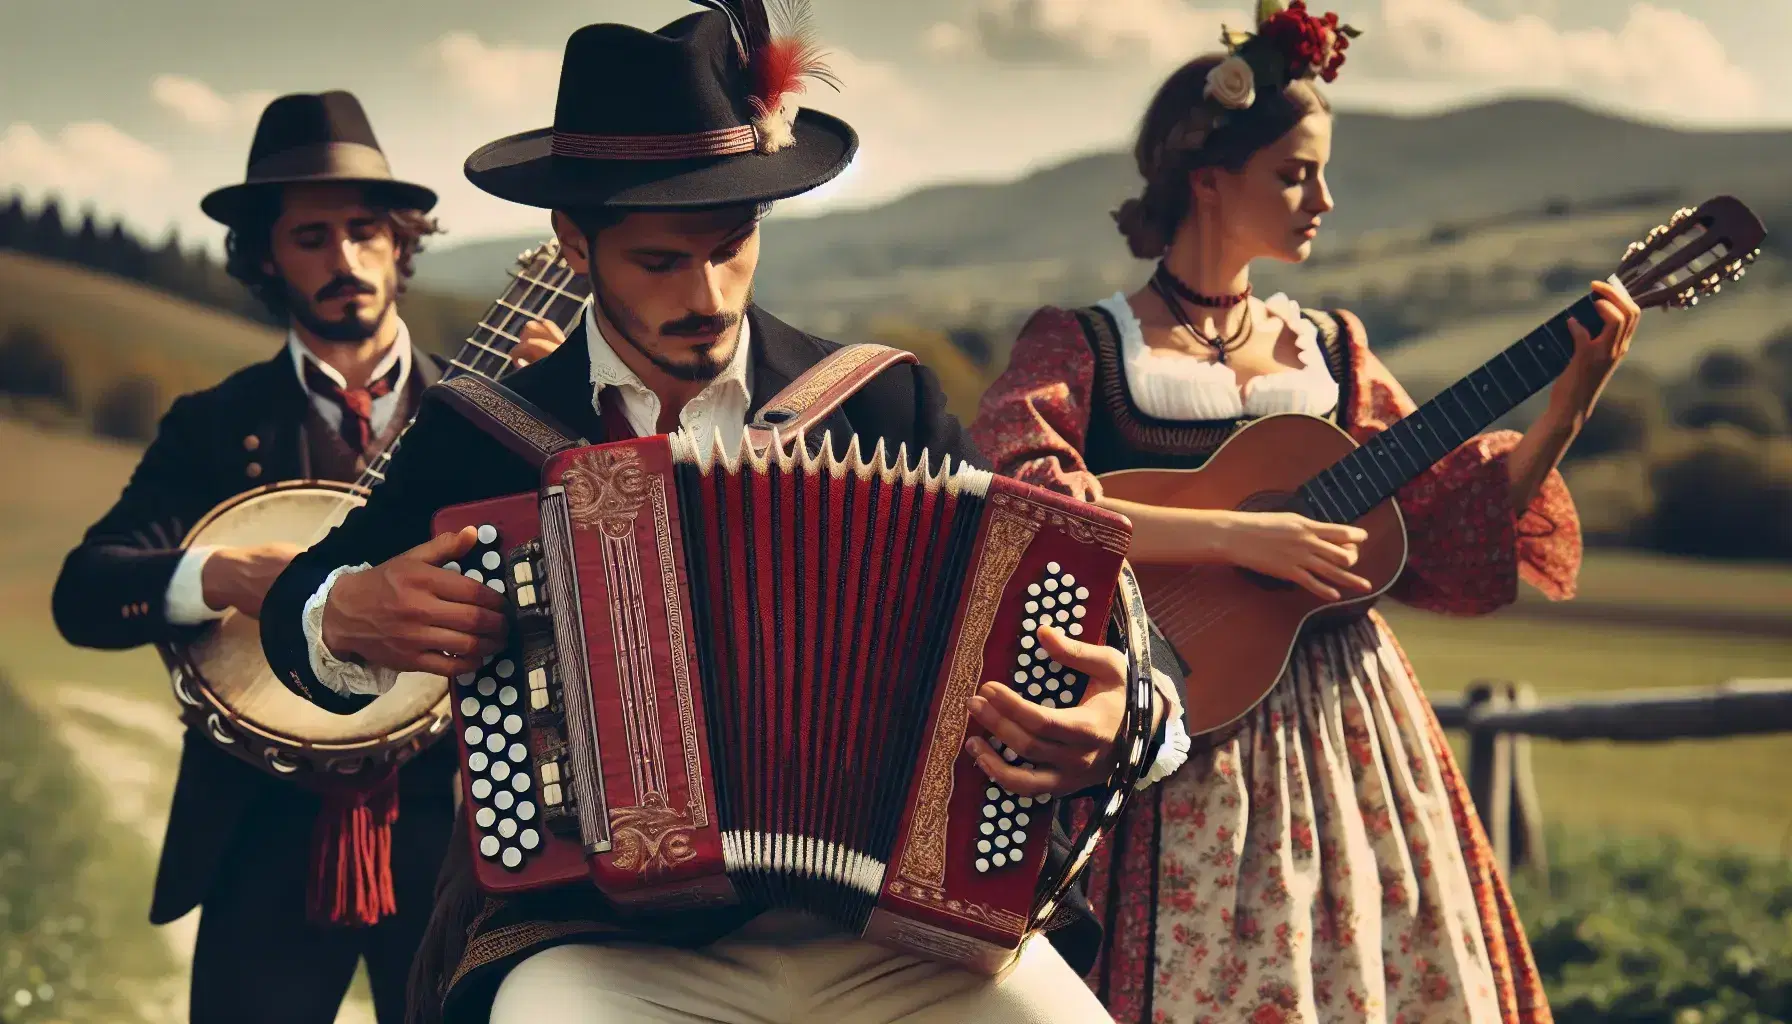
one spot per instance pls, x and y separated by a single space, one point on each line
777 46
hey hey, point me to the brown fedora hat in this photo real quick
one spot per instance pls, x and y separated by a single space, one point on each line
314 137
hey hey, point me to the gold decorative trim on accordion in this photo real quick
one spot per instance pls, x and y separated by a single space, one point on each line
605 492
924 858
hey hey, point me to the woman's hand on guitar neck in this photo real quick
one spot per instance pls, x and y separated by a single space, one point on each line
410 614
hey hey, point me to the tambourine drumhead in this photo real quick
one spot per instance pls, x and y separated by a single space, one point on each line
234 673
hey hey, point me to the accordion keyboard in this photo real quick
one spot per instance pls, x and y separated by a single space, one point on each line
1054 600
494 704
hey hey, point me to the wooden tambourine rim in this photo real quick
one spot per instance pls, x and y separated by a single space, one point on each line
257 745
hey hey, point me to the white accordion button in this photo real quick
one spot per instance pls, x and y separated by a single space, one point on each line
488 534
507 696
482 788
520 782
476 760
505 668
474 735
491 561
518 752
475 575
1082 593
999 859
502 799
530 838
489 846
500 771
507 828
513 724
487 686
512 856
497 585
982 864
469 706
490 714
452 566
1053 567
485 816
495 742
525 811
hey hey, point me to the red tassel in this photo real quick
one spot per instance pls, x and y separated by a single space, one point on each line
351 855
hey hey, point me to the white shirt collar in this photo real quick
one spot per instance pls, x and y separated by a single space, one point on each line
729 388
398 354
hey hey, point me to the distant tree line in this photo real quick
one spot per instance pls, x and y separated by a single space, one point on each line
114 249
438 322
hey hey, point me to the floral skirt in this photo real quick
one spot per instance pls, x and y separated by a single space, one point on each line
1321 864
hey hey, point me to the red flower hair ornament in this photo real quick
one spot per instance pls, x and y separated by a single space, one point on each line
1289 44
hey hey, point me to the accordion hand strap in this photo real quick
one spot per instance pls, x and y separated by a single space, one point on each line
515 421
820 390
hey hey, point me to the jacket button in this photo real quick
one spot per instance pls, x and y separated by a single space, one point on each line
254 470
251 443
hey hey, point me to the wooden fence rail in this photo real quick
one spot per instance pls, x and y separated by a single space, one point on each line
1501 717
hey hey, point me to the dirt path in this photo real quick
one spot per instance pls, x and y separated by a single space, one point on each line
132 748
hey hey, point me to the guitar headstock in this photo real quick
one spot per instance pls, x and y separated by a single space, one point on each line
1689 257
536 262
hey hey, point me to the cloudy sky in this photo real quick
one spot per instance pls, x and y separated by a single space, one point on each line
140 107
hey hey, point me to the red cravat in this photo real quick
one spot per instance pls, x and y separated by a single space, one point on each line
356 403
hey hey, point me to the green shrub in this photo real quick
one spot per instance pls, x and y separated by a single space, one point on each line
1724 493
1628 931
73 942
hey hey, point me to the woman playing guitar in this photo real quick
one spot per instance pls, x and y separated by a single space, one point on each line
1318 858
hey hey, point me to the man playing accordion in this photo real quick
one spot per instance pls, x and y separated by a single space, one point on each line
667 150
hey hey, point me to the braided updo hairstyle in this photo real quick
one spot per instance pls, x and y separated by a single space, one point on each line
1165 161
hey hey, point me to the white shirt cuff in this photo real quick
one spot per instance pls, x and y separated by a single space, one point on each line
345 677
184 604
1174 751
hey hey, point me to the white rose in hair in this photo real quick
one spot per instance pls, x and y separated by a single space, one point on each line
1232 84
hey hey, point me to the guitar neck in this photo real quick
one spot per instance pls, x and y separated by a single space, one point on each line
545 289
1350 487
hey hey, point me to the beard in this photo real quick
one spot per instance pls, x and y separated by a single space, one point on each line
703 363
357 323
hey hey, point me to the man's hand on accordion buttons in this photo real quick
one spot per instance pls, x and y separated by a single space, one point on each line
409 614
1070 748
537 339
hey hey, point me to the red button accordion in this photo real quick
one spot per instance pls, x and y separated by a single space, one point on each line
747 680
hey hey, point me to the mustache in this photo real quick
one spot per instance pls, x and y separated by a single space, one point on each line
345 286
695 325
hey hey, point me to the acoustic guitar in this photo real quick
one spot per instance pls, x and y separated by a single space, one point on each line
1237 628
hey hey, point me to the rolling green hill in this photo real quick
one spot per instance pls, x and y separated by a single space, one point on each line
987 253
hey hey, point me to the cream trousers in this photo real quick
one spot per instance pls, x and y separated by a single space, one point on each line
786 969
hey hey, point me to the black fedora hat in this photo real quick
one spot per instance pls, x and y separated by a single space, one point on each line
680 118
308 137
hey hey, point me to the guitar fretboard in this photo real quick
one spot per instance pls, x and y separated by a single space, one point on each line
1350 487
545 289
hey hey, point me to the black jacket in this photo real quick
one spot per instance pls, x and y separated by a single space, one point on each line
211 445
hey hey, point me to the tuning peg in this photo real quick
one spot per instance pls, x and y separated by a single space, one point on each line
1681 214
522 258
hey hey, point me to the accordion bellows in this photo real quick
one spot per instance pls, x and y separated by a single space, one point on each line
740 678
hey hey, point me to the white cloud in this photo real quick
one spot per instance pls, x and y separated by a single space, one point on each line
1159 32
82 157
94 163
1447 40
202 106
501 76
